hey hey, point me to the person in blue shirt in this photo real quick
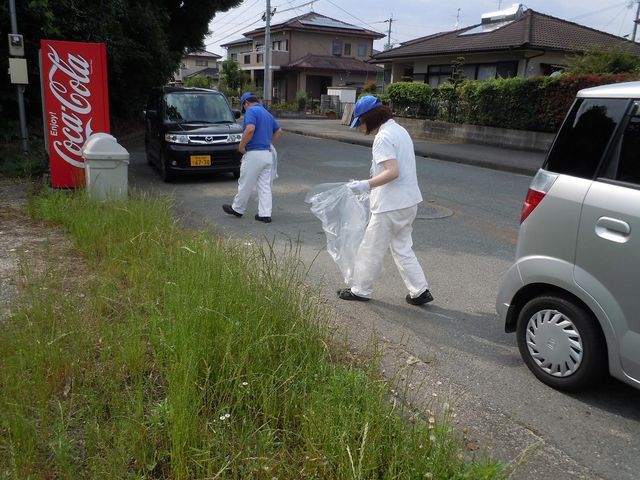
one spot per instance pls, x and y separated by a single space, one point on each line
260 131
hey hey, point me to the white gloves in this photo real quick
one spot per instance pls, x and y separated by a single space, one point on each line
358 187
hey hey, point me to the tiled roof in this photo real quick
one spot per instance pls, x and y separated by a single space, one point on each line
533 30
314 21
321 62
240 41
202 53
205 72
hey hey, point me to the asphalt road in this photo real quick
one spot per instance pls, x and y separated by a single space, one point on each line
456 347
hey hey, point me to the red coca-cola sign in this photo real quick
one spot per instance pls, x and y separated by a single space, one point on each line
76 104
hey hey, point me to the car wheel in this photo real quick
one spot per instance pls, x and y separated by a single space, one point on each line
236 174
561 343
166 174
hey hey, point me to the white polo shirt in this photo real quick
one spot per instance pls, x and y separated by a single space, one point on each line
393 142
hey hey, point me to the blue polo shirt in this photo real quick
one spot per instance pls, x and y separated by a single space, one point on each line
265 125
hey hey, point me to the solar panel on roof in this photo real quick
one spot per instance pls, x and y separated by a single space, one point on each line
325 22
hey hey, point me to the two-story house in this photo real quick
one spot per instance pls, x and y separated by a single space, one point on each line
197 63
309 53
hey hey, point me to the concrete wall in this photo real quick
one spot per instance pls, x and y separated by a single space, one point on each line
500 137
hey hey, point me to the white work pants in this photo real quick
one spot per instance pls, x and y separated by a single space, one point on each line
388 230
255 171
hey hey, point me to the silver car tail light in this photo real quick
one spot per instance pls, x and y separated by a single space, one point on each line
540 186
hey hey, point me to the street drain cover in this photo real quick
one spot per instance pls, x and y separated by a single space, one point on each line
431 211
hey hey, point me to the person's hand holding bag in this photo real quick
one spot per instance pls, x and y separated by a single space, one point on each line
358 187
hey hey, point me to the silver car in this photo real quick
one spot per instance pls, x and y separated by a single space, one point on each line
573 294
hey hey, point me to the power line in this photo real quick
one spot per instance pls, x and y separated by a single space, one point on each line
599 11
361 21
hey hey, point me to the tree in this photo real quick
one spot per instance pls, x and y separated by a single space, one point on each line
199 81
605 61
231 77
145 41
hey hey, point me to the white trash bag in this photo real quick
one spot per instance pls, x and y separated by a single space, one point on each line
344 218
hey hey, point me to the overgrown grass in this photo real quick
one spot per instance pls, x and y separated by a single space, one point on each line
187 356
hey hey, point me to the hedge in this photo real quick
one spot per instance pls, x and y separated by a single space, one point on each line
538 103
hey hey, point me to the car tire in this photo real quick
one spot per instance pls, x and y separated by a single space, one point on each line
167 175
236 174
561 343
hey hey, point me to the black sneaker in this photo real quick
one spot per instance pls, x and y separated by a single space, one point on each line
262 219
228 209
424 297
347 294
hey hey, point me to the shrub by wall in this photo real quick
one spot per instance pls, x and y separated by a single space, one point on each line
410 98
537 104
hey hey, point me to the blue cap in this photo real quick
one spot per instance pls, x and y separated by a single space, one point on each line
365 104
245 96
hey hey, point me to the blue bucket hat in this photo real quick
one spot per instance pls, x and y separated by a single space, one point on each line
364 105
246 96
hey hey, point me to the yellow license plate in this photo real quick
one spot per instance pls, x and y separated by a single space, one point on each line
200 160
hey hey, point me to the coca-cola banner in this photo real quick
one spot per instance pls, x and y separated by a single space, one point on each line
76 104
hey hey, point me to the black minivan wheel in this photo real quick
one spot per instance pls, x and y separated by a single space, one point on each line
166 174
561 343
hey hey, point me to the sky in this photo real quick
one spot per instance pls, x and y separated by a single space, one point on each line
415 18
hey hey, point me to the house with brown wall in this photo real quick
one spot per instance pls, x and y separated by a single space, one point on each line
309 53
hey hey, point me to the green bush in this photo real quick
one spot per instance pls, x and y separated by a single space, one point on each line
411 98
301 100
605 61
198 81
538 103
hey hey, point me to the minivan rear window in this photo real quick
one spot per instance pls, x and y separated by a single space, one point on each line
584 136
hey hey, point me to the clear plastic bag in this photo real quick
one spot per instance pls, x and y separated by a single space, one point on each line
344 218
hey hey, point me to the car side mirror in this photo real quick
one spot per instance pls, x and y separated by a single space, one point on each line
236 114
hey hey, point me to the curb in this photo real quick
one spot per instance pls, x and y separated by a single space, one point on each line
424 153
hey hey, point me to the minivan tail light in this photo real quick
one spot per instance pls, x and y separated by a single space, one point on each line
540 186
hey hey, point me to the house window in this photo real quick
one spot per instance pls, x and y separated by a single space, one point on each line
347 49
438 74
362 50
486 71
202 63
260 57
247 59
280 45
234 56
337 47
507 69
259 47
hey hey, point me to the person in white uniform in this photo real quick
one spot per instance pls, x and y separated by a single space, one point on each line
394 198
260 131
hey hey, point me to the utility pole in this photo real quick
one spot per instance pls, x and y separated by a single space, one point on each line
635 22
389 45
19 88
267 56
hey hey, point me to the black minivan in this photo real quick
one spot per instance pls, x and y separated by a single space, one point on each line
191 130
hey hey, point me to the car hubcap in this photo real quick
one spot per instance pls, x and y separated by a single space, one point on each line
554 343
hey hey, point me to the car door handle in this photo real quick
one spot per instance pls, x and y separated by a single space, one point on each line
613 229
